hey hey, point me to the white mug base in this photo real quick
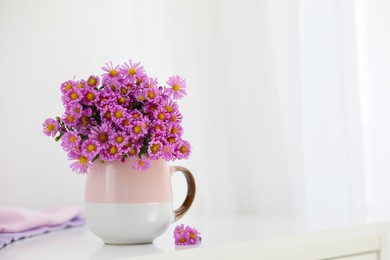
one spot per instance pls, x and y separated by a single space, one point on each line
120 223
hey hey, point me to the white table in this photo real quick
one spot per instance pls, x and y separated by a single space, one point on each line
228 237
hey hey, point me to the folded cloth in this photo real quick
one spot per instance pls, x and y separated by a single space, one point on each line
18 223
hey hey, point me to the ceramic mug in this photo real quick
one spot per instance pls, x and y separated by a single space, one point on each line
127 206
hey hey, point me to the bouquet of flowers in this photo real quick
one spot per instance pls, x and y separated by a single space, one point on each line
122 114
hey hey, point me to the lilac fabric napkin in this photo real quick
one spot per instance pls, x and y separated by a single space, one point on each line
18 223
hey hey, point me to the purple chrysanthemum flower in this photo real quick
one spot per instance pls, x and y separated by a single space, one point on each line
132 70
118 114
152 95
75 109
132 151
111 153
119 138
93 81
72 95
101 134
90 96
161 115
177 87
176 117
81 84
111 71
67 85
141 164
167 152
186 235
171 106
137 129
112 84
155 149
176 129
70 141
90 148
183 150
82 163
50 127
70 119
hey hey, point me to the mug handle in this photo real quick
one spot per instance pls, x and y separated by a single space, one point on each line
191 189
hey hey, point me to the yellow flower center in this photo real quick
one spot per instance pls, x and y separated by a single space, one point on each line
174 118
103 137
68 87
107 115
174 130
182 240
83 159
155 148
85 120
113 150
137 129
183 149
157 127
70 118
135 115
171 140
140 162
192 236
175 87
132 71
113 88
77 110
113 73
119 139
91 148
126 122
141 98
92 81
161 116
151 94
90 96
74 96
50 127
118 114
121 100
168 109
80 85
72 139
132 151
123 90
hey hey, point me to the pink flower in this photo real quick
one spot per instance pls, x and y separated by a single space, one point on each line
167 152
177 87
141 164
118 114
93 81
132 70
67 85
183 150
82 163
90 96
101 134
111 71
111 153
90 148
70 119
138 129
72 95
119 138
186 235
155 149
50 127
70 141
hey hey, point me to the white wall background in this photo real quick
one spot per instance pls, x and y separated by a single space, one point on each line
280 118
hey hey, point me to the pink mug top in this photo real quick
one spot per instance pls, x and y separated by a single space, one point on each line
117 182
